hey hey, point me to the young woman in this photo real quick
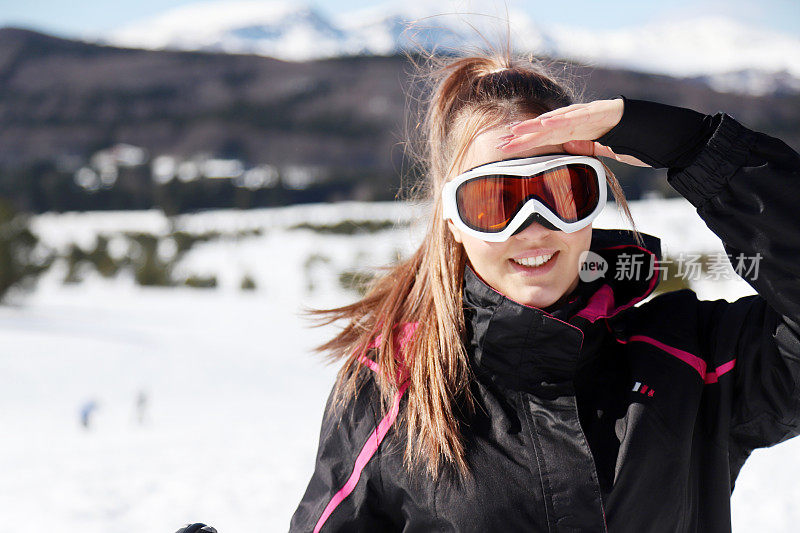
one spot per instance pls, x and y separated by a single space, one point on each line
492 383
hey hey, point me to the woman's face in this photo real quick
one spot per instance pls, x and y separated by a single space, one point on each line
498 262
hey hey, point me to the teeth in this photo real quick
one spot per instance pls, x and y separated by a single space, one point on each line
534 261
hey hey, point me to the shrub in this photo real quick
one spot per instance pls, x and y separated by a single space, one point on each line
349 227
200 282
248 283
354 280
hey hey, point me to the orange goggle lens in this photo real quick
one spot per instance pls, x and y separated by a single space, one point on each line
489 203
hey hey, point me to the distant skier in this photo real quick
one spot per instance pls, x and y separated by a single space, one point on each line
141 407
86 413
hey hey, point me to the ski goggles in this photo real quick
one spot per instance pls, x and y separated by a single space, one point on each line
494 201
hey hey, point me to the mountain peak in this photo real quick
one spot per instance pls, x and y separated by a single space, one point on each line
281 29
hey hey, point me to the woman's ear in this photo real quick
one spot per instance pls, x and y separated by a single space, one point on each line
454 230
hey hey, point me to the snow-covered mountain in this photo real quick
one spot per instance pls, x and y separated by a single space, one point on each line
729 55
283 30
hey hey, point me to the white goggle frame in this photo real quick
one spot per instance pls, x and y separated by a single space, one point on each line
523 167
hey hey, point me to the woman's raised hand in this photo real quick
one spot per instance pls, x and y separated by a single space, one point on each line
573 127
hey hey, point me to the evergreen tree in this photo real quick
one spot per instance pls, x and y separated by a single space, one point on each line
19 265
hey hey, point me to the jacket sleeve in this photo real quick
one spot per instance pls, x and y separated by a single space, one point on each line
343 493
745 185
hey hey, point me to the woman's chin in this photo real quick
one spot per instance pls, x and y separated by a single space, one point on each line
535 297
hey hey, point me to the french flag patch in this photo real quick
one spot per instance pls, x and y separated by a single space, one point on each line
643 389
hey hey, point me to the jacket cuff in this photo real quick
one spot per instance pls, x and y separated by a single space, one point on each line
726 151
661 135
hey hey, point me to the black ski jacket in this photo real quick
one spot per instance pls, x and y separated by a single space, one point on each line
603 415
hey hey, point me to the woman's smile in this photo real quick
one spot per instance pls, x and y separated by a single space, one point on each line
534 264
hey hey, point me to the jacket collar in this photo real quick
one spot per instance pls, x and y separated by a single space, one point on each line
530 348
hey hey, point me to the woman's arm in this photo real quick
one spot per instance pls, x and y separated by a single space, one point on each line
745 186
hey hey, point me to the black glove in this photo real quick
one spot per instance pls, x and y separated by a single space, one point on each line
196 528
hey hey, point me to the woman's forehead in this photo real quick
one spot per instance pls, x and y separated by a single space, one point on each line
483 148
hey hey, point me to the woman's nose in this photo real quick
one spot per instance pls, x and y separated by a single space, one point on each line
535 227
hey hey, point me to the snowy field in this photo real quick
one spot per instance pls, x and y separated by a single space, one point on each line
234 393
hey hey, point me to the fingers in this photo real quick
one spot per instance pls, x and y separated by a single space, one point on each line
630 160
574 122
560 110
577 115
575 126
529 140
556 115
581 148
550 133
533 125
589 148
595 149
588 121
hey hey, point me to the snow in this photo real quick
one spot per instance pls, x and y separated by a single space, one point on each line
733 54
229 381
282 29
683 47
235 394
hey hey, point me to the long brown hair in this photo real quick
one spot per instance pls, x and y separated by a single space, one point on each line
463 95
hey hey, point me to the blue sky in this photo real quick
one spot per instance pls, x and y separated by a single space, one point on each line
89 17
